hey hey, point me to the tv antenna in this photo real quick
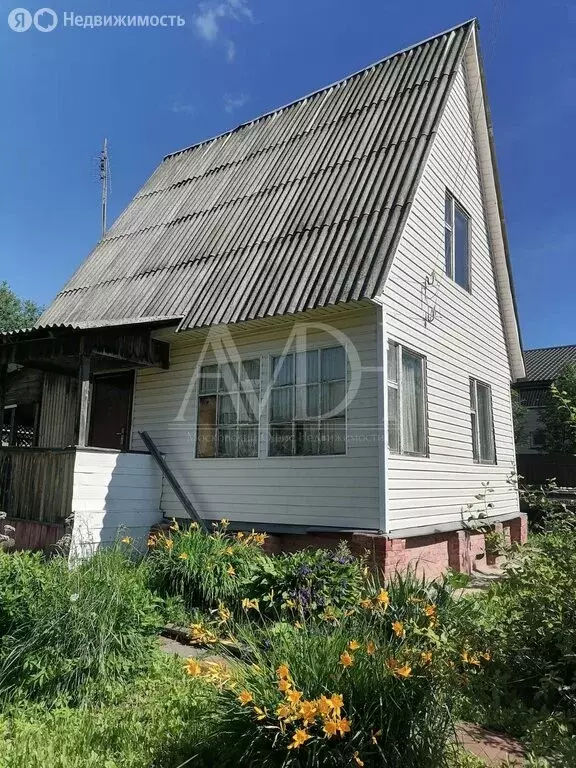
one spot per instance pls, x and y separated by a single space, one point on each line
104 167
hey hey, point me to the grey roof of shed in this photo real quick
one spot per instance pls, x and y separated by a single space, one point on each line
547 363
297 209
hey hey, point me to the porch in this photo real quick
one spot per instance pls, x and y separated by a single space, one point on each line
77 460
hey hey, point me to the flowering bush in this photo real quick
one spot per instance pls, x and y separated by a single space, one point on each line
371 688
205 569
312 581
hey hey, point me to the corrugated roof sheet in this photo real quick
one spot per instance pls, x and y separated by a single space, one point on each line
535 398
547 363
298 209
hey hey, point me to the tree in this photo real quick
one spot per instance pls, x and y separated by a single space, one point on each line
559 416
16 313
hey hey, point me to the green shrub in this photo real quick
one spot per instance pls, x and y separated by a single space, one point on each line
22 575
81 630
312 581
156 721
367 689
205 569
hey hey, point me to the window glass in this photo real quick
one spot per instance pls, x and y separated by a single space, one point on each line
483 445
462 247
406 401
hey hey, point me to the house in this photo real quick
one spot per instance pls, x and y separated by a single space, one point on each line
313 318
535 463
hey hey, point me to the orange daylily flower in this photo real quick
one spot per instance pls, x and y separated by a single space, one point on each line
398 628
300 737
294 696
426 657
284 685
330 728
353 645
346 659
343 726
336 702
324 705
245 697
193 668
370 648
383 598
404 671
283 672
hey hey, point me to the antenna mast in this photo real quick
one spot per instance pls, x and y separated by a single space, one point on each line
104 178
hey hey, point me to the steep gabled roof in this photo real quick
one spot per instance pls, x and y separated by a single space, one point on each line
547 363
297 209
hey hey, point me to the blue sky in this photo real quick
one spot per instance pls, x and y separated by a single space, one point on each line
152 91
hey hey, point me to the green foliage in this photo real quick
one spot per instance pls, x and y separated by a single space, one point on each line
518 416
16 313
154 722
204 569
308 582
72 633
559 416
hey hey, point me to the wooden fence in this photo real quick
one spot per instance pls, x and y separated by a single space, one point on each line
36 483
537 468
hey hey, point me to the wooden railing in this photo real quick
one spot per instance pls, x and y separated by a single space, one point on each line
36 483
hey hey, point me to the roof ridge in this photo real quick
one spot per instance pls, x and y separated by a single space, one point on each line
276 110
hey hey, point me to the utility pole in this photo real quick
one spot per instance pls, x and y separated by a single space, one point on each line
105 180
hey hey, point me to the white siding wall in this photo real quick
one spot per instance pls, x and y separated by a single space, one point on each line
338 491
466 339
113 491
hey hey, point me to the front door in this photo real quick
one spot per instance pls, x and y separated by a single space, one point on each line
111 411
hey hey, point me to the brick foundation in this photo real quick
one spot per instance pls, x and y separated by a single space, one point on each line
430 555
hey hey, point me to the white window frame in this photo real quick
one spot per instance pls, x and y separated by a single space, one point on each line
397 385
450 228
474 417
217 393
272 385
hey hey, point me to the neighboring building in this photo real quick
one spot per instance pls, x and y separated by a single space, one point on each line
368 215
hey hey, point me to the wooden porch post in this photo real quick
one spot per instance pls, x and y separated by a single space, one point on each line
83 398
3 385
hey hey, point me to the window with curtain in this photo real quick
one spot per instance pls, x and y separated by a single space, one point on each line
407 431
308 403
457 242
483 445
228 410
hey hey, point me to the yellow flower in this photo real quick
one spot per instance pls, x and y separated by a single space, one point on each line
245 697
330 728
261 714
224 523
293 696
426 657
174 526
430 611
224 613
126 540
353 645
183 556
370 648
300 737
247 604
240 535
284 685
308 712
324 706
346 660
169 544
383 598
298 625
194 526
343 726
486 656
404 671
283 711
283 672
193 668
229 551
230 570
366 603
152 541
357 760
336 702
398 628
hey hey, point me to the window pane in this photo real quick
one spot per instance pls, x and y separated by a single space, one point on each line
281 404
393 420
209 379
392 361
333 398
333 436
227 441
227 409
229 377
283 370
248 441
485 425
307 367
462 245
250 372
413 429
333 365
206 432
474 420
307 405
281 440
248 408
306 437
448 226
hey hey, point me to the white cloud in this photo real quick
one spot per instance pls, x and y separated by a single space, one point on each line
211 16
232 102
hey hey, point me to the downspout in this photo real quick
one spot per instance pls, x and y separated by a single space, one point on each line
382 424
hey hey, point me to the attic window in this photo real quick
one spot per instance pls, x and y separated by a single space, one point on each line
228 410
457 242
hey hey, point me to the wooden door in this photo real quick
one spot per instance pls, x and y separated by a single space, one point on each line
111 410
